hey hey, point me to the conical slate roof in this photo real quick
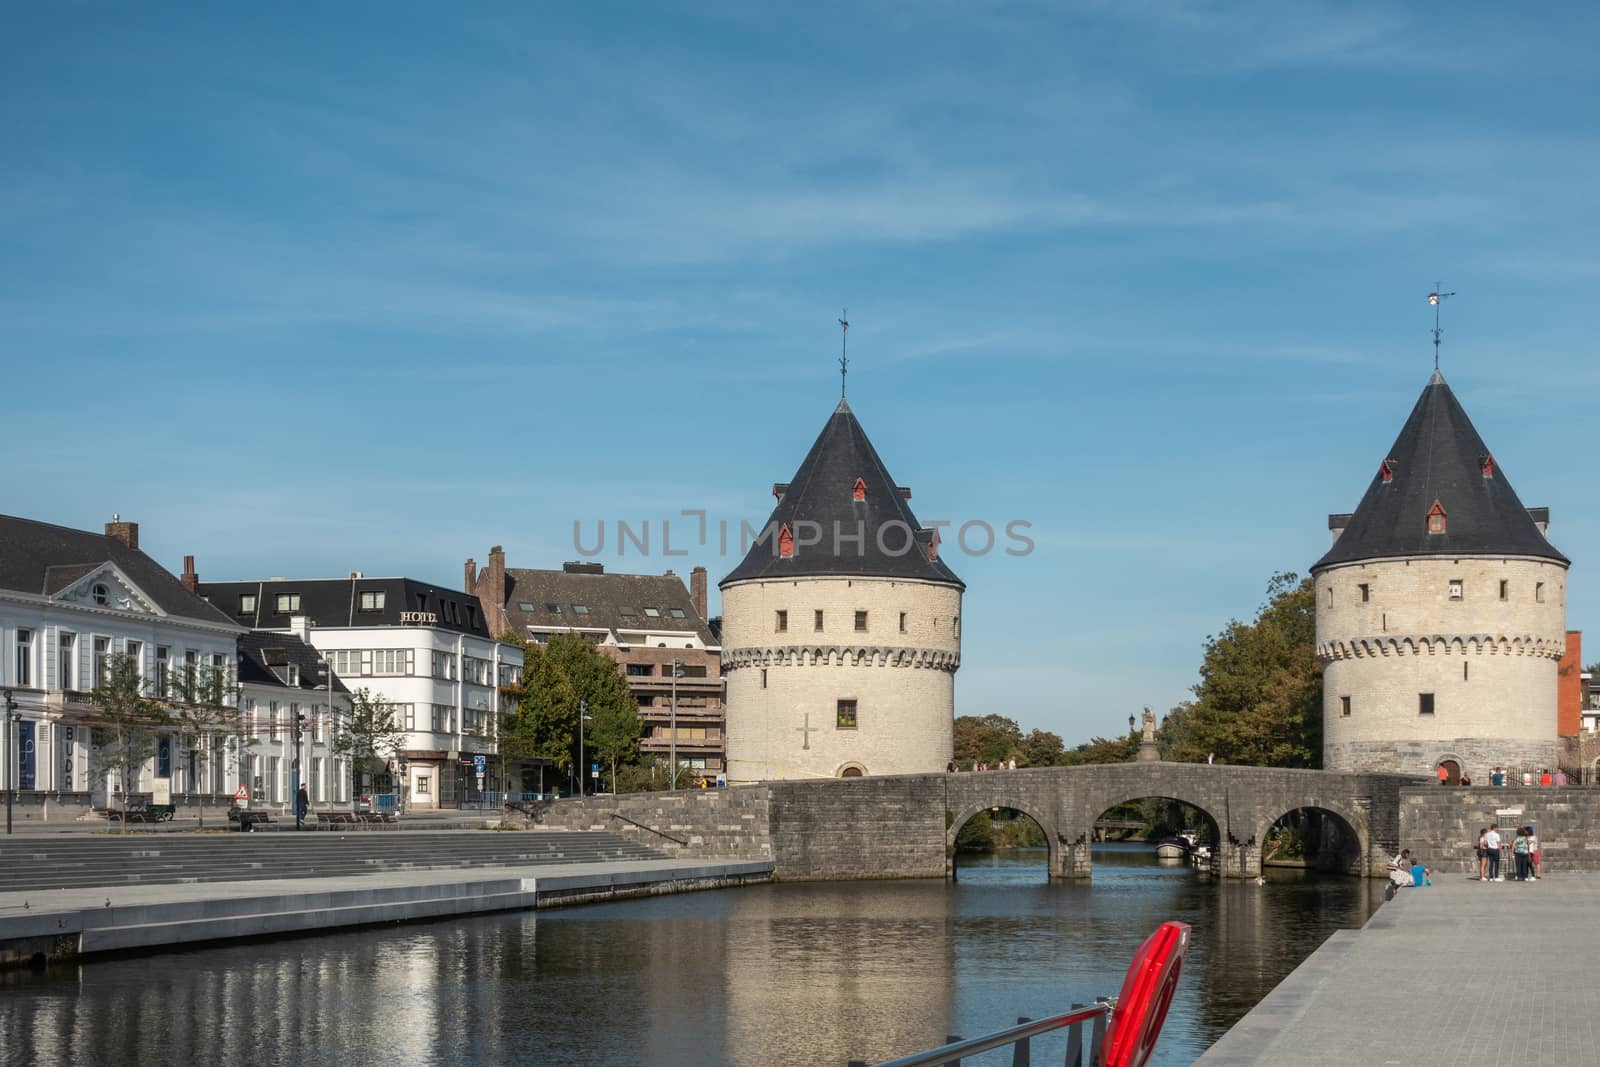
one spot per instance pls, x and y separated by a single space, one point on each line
1439 459
820 501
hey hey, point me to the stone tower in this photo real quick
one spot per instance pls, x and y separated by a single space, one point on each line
841 629
1441 611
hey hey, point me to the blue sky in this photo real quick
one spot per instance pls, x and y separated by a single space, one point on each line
306 290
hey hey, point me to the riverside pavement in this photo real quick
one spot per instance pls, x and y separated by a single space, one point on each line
1461 972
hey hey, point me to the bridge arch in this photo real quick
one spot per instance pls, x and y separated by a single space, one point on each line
1343 850
959 817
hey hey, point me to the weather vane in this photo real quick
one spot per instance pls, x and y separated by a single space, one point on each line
1436 298
844 357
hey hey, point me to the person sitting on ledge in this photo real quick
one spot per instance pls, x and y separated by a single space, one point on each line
1400 869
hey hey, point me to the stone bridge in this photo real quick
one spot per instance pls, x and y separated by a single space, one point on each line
905 826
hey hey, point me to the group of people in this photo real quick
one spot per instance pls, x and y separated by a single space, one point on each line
1402 871
1524 852
982 765
1499 777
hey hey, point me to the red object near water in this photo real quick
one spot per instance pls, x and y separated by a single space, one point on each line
1146 995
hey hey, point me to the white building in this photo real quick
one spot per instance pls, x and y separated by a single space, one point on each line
289 710
425 649
70 600
841 629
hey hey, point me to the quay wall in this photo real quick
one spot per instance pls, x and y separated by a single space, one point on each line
1440 824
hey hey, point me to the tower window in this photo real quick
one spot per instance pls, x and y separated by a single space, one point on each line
1486 464
1464 666
1505 589
763 677
846 715
1330 596
1366 592
861 622
1436 517
902 622
1424 703
816 621
1538 592
1344 707
1386 471
1456 589
780 621
859 490
785 542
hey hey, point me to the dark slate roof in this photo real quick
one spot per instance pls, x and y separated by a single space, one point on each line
43 559
1439 457
821 493
606 596
260 652
337 602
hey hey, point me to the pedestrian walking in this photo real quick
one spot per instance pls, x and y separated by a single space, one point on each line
1545 778
1491 844
1561 776
1497 777
1444 775
302 804
1533 852
1011 765
1483 854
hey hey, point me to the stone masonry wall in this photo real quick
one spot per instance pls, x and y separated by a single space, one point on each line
852 828
1440 824
712 823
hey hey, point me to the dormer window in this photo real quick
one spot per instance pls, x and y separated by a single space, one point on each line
1436 518
1486 464
1386 471
785 542
858 492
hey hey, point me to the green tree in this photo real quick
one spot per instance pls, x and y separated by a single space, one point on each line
203 706
1101 750
558 676
1041 748
1259 698
989 738
371 737
126 725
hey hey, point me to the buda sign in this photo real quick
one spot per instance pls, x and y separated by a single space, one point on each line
421 618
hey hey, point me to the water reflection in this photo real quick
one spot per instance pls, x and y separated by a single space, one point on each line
769 974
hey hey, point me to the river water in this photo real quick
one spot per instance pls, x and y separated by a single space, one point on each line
799 973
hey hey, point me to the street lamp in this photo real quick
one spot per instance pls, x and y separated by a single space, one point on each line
677 672
583 713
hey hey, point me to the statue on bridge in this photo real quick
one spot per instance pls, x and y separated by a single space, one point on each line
1148 752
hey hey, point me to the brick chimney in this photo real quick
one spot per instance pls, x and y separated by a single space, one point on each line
1569 686
190 580
471 585
492 590
126 532
697 590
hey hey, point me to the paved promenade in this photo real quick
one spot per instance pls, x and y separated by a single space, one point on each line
1462 972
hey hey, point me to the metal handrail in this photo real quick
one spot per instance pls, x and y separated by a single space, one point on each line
1019 1035
652 829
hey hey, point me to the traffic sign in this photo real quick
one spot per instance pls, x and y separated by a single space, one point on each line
479 761
241 793
594 768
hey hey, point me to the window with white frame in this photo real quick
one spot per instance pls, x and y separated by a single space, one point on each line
272 720
444 719
391 661
22 675
475 670
372 600
287 602
509 674
135 653
444 665
163 676
67 660
102 661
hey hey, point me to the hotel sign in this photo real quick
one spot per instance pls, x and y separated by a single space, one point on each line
421 618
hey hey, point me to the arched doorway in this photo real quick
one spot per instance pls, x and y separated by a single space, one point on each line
1452 772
